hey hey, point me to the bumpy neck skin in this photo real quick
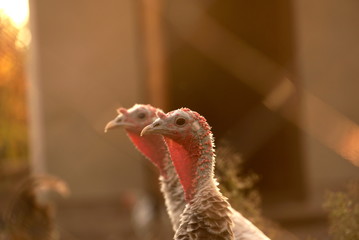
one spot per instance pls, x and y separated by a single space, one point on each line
193 158
154 148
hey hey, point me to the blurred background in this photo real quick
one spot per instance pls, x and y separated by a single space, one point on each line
277 80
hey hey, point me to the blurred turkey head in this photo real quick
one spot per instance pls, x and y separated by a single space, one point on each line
133 119
31 214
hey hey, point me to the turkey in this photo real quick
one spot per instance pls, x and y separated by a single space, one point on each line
31 215
154 148
207 214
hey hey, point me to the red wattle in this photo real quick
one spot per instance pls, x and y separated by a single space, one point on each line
152 147
184 163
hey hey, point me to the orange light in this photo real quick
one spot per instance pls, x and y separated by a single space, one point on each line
16 10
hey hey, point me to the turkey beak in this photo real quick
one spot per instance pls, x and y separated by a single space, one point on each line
116 123
153 128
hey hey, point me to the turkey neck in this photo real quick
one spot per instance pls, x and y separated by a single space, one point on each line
193 158
154 148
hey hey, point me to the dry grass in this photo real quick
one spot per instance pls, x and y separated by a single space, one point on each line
343 212
240 188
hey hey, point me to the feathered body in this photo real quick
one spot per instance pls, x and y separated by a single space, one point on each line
207 215
154 148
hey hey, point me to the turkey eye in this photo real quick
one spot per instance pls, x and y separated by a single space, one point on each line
141 115
180 121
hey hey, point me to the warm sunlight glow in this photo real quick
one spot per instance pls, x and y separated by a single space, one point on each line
16 10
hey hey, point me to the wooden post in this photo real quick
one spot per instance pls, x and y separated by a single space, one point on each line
154 53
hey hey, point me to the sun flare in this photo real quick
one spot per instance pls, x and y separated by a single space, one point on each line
16 10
